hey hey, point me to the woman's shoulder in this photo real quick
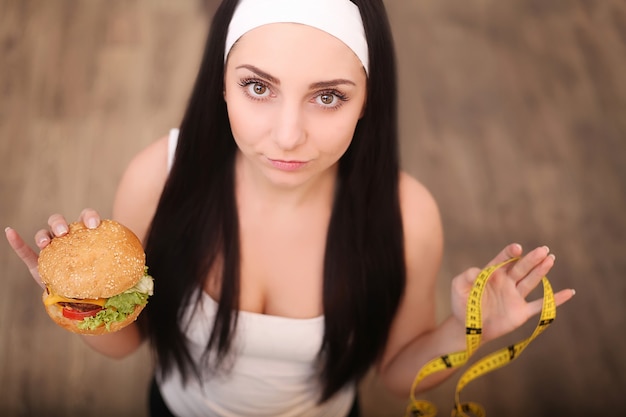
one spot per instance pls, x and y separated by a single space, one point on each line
420 216
416 201
141 185
153 158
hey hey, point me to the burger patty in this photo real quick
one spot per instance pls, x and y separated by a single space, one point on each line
80 306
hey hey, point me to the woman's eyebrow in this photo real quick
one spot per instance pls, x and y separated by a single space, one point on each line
330 83
260 73
313 86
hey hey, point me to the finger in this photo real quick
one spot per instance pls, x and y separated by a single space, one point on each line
58 225
529 261
563 296
559 298
532 278
471 274
90 218
25 252
510 251
42 238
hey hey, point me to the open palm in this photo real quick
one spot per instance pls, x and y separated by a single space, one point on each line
504 304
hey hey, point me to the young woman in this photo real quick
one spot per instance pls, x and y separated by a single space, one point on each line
290 253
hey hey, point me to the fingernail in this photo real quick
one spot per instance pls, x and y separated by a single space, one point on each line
42 241
553 256
573 291
6 229
92 223
60 229
547 249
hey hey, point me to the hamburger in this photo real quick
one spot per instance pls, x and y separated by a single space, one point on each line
96 279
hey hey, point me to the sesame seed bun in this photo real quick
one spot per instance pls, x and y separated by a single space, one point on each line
92 263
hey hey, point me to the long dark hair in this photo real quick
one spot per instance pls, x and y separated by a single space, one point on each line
195 228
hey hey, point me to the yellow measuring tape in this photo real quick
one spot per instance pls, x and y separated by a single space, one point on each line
498 359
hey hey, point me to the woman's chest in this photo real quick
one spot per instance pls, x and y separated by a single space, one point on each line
281 269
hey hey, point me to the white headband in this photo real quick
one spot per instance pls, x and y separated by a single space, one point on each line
339 18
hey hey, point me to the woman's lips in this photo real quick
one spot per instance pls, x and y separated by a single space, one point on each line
286 165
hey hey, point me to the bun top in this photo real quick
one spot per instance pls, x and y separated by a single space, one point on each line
92 263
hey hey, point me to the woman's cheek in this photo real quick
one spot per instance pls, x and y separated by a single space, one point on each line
245 125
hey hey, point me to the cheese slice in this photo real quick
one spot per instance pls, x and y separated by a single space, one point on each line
53 299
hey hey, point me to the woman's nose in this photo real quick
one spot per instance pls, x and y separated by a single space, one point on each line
289 131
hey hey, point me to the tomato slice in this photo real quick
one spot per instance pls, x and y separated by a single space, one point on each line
74 314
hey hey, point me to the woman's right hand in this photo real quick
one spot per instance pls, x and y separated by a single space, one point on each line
58 226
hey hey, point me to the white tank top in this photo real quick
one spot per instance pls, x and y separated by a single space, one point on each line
273 373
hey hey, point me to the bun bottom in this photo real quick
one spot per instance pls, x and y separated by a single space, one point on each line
56 314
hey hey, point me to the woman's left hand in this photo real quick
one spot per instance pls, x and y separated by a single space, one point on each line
504 304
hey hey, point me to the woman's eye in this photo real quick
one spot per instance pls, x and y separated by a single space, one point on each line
330 100
257 89
327 99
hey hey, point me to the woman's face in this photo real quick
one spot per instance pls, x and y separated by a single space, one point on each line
294 95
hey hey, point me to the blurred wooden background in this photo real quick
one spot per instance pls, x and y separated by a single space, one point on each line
512 113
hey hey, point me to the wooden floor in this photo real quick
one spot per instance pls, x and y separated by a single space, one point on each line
513 114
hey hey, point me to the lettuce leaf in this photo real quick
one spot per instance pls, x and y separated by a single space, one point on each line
118 307
145 284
